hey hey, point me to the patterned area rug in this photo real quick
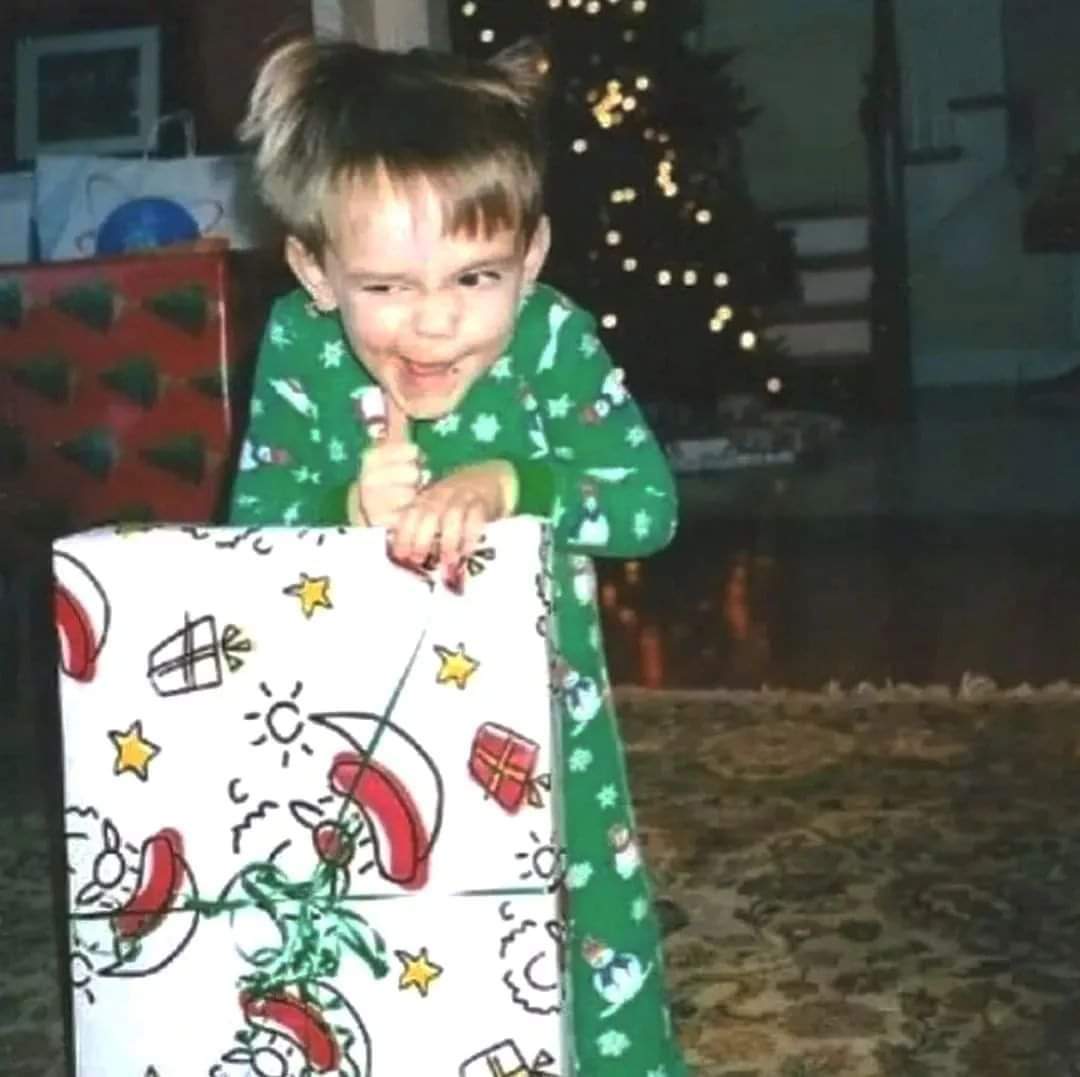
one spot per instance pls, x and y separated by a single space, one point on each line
862 884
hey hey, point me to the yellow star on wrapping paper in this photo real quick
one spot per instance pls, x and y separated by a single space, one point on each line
133 751
417 971
457 667
313 592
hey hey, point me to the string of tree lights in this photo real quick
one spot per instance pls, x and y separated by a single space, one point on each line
654 229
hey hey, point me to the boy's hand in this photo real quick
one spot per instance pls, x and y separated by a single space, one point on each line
447 519
390 473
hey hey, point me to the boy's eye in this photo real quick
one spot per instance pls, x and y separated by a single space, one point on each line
476 277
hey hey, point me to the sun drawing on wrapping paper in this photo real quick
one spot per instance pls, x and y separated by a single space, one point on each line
543 860
283 724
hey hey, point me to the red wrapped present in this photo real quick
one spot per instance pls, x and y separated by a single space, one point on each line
115 381
504 762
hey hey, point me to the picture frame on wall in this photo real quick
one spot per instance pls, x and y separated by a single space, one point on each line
94 92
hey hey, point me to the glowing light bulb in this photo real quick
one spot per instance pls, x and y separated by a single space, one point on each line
554 3
593 7
689 277
613 238
725 313
642 82
609 321
630 194
716 325
748 341
629 103
579 145
468 10
487 36
774 385
721 280
703 216
638 6
630 264
663 277
574 3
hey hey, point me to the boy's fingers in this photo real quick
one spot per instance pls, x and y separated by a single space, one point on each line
413 535
406 474
397 422
453 527
473 530
380 459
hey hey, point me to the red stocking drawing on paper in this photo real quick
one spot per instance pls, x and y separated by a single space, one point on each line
394 787
290 1033
133 907
82 615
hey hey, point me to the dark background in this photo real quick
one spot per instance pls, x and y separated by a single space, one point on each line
209 50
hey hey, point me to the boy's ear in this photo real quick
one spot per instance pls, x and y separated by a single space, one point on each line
310 273
537 252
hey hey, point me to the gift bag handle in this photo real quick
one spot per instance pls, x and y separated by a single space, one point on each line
183 117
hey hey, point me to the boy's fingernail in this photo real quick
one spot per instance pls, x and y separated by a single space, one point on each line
455 577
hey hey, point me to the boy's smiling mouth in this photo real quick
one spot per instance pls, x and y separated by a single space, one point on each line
428 370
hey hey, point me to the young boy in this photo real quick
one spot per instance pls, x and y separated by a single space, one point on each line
422 380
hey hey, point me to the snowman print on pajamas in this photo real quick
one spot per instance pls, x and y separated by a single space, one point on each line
613 394
627 855
581 696
253 456
594 529
584 579
617 977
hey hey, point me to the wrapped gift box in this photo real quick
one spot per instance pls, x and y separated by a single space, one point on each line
114 391
310 810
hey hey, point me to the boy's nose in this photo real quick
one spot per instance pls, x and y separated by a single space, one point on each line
437 314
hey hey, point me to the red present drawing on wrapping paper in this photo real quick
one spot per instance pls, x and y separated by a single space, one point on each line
504 763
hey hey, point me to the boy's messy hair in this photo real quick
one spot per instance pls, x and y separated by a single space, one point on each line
324 115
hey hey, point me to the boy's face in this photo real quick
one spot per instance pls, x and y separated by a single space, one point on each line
428 313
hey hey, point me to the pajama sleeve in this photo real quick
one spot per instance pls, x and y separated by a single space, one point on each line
281 474
605 483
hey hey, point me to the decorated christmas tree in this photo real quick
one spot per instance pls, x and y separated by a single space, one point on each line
654 229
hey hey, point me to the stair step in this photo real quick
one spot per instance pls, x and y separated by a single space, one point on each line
934 155
847 260
813 237
840 362
809 340
804 313
824 287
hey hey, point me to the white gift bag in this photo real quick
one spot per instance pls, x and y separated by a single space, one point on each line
16 195
89 206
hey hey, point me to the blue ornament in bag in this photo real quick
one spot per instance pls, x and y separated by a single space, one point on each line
143 223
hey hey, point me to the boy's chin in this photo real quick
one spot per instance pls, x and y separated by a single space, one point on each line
430 408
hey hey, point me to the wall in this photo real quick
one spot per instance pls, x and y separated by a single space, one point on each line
1041 38
983 309
803 63
211 50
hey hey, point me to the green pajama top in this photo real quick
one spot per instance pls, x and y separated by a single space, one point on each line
556 407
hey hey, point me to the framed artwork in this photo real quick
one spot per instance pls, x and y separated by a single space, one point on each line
96 92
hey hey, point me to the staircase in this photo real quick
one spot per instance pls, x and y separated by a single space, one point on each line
826 333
